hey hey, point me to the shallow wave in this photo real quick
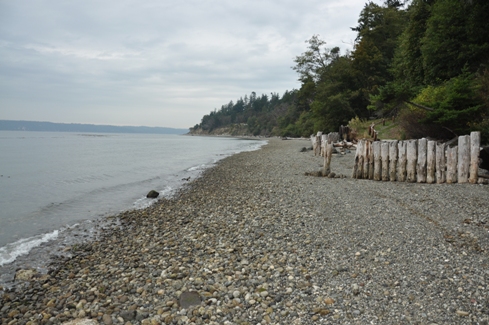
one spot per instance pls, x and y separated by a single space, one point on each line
10 252
195 168
144 202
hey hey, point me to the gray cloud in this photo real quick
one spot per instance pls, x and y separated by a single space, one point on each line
155 63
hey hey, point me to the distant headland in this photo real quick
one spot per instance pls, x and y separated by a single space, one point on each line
10 125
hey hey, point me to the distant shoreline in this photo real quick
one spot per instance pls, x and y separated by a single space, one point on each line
37 126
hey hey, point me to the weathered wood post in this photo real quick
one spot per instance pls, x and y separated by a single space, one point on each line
441 175
412 158
421 165
328 153
384 153
393 160
377 160
324 142
371 161
463 158
366 155
402 162
452 154
431 162
317 147
475 143
358 167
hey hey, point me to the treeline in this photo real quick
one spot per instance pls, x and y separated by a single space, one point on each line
423 61
263 115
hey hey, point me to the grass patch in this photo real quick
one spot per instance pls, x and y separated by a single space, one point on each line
389 131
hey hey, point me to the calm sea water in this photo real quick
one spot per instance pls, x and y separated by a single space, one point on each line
52 182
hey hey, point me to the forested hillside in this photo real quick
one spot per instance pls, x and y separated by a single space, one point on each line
423 61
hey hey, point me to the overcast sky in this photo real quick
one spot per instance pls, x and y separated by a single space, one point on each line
155 63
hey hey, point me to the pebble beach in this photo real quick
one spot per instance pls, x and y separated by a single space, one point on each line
256 241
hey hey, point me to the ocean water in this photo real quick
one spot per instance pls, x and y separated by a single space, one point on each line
53 183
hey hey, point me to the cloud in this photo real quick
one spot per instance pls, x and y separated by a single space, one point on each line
155 63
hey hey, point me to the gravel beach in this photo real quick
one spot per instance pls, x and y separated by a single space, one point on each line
255 241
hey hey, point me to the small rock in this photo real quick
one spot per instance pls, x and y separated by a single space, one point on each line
128 315
329 301
462 313
107 319
355 289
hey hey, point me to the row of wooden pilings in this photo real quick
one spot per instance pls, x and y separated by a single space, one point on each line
419 161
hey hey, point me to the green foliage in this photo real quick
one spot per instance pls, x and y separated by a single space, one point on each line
455 104
455 37
311 64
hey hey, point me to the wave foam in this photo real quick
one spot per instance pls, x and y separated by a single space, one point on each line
10 252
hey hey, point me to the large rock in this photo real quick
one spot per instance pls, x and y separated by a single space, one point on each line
189 298
25 275
152 194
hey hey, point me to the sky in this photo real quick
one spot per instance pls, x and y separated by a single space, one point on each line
155 63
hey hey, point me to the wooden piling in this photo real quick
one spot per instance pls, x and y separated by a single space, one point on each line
475 143
412 158
421 164
358 167
366 156
463 166
452 155
328 153
384 153
441 175
377 161
431 162
324 142
402 162
371 161
393 160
